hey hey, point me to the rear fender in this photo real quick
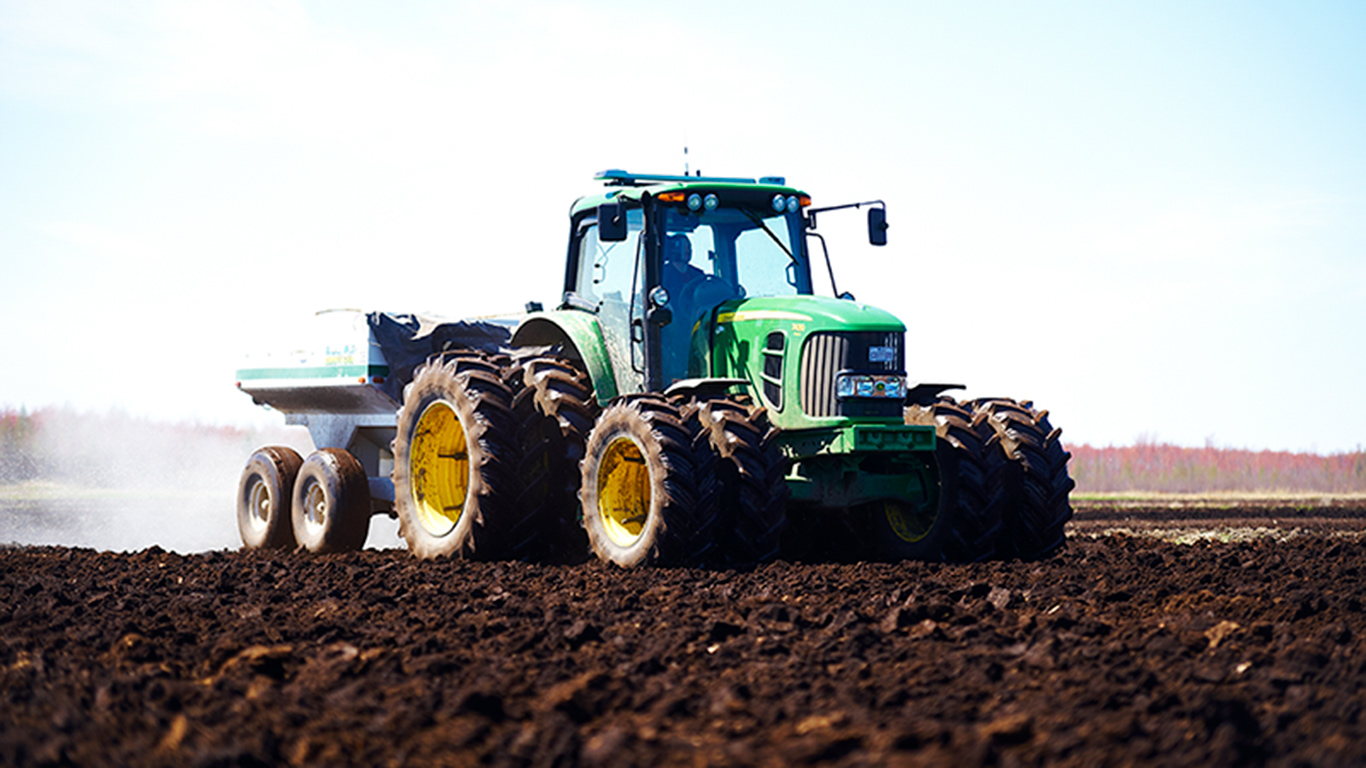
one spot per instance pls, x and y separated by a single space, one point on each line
579 338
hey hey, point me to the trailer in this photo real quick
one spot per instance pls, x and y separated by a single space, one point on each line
344 383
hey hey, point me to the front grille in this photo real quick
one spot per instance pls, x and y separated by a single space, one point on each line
826 354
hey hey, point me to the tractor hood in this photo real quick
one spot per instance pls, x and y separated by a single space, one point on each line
791 350
808 313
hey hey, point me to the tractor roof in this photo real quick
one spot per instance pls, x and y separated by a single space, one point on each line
621 185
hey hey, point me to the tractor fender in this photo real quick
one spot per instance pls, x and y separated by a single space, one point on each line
579 338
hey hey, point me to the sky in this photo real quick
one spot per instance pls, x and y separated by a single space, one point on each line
1149 218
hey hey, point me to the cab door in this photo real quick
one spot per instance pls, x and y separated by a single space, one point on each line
610 282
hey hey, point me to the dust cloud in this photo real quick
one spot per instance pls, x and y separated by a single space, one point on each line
116 482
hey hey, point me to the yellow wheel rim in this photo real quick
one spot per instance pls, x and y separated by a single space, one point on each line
908 524
440 464
623 491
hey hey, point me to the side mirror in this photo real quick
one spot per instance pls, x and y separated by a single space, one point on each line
877 226
611 223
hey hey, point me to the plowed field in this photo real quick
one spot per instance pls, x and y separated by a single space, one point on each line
1215 637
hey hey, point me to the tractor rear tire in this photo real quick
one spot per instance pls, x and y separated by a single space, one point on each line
638 490
331 503
972 471
555 409
1037 480
742 490
453 459
263 498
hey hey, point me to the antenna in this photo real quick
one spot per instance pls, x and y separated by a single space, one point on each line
685 155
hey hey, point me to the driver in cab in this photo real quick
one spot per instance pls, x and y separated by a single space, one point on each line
680 276
681 279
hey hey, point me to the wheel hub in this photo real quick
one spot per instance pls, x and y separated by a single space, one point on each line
315 508
440 469
258 503
623 491
907 522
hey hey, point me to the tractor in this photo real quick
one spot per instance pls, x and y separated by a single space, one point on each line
690 400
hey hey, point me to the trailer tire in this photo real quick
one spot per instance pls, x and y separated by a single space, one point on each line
453 452
742 489
331 503
263 498
972 470
638 490
554 408
1037 480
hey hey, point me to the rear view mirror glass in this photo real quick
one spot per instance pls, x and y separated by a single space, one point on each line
877 226
611 223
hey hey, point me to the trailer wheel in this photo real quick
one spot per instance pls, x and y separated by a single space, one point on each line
452 456
638 489
331 503
263 498
555 409
742 491
1037 481
972 469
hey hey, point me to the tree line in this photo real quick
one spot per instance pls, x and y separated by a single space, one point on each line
1163 468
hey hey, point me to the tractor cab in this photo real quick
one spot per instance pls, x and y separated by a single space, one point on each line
654 256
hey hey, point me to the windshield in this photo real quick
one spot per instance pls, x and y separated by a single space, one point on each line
756 253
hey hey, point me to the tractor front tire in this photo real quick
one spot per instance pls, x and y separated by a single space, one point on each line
453 457
637 490
909 529
972 472
331 503
1038 484
263 498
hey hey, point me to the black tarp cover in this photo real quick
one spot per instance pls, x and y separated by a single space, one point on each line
407 340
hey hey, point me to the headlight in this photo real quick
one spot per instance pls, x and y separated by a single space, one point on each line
694 201
870 385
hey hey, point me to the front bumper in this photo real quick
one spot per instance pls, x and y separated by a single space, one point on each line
856 438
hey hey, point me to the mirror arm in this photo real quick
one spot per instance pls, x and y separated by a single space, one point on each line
811 212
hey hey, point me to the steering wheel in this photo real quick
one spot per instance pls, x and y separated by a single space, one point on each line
707 293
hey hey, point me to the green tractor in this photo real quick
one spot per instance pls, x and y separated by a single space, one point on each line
692 400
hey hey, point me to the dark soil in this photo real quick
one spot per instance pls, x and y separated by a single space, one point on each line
1119 650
